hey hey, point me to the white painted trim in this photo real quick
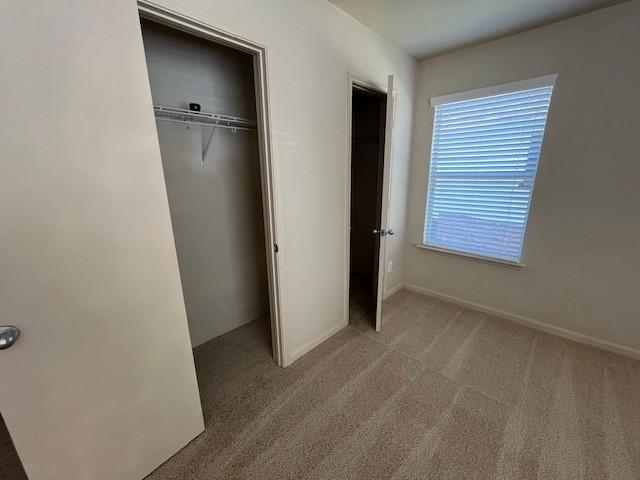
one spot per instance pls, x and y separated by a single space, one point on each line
268 171
472 256
347 195
531 323
311 344
392 291
528 84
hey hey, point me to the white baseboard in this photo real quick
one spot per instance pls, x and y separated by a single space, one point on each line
391 291
531 323
311 344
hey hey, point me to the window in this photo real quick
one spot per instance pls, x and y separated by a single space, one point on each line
484 157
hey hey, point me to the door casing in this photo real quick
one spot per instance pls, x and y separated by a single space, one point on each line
273 247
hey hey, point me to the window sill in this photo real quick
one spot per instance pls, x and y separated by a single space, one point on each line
496 261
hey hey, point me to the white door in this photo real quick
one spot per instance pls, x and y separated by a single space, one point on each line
386 187
101 383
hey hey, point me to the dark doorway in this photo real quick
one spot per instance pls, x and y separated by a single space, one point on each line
10 466
367 169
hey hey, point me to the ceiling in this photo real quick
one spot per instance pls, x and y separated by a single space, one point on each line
424 28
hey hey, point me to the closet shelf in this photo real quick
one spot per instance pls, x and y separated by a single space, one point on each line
214 120
189 117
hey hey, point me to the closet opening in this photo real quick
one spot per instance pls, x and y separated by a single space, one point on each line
209 102
10 464
368 127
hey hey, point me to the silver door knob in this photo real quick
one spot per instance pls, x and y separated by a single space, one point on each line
389 232
375 231
8 336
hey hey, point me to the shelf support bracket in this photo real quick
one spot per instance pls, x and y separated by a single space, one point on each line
206 148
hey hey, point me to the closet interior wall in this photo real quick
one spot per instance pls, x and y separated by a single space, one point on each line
215 201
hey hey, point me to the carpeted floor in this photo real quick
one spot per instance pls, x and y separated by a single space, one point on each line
441 393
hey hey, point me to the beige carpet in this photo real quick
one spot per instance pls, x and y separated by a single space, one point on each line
442 393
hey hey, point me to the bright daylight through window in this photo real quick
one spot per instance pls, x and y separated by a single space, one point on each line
484 157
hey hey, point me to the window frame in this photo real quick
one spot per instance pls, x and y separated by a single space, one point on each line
501 89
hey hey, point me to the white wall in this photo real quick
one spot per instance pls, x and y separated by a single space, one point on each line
311 48
216 208
582 249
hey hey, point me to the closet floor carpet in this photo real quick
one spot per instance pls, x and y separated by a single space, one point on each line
442 392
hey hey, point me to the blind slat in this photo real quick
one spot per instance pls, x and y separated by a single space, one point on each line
506 116
483 163
488 102
481 112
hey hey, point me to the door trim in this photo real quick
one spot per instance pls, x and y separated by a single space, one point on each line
355 81
268 172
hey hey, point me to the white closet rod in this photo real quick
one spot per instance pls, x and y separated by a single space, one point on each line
189 117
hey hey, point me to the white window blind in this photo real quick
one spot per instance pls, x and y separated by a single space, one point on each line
484 159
